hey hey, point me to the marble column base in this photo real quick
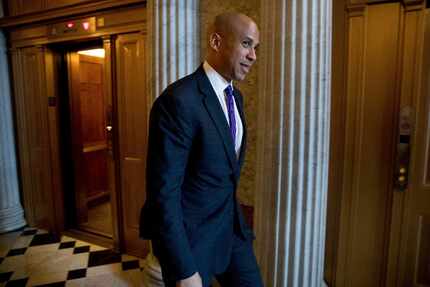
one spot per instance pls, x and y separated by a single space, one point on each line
11 218
152 272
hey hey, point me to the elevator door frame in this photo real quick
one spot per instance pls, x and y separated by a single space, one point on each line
71 121
62 86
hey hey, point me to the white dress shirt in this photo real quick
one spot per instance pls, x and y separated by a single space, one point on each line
219 84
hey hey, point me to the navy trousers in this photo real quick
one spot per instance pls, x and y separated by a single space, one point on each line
242 271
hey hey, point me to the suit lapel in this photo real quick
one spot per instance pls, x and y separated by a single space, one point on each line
215 111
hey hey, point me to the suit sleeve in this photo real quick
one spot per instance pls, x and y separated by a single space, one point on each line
170 140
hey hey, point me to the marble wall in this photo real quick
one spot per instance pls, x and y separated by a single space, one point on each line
249 87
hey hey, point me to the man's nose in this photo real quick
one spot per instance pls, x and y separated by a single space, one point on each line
252 55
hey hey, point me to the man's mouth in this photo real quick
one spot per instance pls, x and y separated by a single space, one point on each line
246 67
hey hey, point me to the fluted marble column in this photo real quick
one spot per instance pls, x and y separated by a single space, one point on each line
175 48
293 141
11 212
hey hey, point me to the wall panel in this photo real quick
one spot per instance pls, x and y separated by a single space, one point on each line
33 135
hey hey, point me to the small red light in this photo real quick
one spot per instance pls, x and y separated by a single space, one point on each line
86 25
70 25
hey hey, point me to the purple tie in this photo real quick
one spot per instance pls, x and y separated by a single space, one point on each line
230 110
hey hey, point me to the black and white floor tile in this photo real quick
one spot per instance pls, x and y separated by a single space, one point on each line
32 257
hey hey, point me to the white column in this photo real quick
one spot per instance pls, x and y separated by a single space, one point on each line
293 141
175 29
11 212
175 48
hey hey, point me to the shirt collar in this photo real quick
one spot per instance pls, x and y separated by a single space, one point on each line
217 81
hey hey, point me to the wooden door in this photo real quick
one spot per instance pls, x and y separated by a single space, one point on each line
33 136
132 100
383 238
112 142
369 105
415 244
89 135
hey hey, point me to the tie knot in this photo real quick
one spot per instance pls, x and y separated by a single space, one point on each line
229 91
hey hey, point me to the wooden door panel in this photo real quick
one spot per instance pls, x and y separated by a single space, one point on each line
371 109
95 168
40 186
37 131
415 248
93 114
136 195
384 232
92 102
132 114
33 135
91 69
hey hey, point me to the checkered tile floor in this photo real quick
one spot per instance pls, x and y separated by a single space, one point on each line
32 257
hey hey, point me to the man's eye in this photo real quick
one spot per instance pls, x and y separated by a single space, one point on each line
246 44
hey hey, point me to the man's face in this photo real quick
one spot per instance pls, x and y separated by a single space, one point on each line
239 50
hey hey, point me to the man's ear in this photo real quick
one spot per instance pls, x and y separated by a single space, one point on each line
215 41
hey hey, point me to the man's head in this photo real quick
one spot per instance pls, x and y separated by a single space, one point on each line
232 42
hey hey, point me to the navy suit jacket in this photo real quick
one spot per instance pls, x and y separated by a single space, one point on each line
191 211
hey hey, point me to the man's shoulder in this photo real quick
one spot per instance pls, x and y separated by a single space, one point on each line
185 83
184 88
182 94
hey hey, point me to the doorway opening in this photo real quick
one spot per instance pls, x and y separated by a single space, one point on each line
86 124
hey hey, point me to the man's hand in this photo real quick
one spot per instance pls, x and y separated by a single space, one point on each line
194 281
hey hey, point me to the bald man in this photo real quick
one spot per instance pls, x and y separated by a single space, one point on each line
197 137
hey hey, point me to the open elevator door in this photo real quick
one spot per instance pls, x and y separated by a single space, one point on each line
127 105
133 102
91 142
91 150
